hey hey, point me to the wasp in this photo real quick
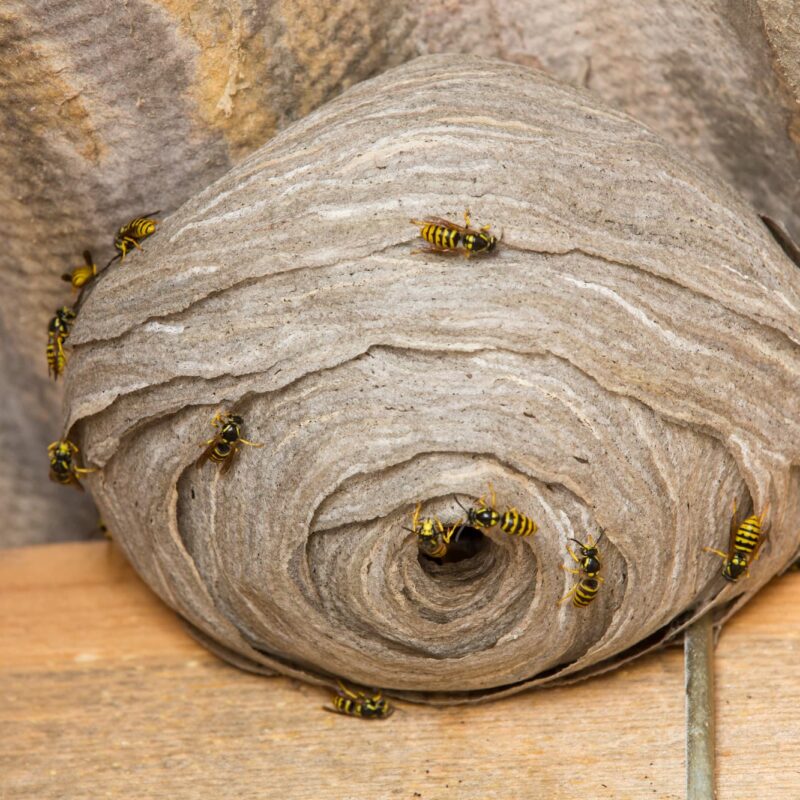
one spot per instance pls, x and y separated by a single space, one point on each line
57 333
358 704
485 515
80 276
585 590
444 236
63 468
133 232
222 448
432 538
745 542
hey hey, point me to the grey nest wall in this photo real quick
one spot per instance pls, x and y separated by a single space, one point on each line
628 359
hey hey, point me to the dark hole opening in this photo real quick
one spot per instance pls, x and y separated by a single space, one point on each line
470 542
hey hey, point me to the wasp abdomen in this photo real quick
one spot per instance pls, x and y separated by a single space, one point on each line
440 236
517 524
585 592
748 534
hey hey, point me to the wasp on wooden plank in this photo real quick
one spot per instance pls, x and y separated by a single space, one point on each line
359 704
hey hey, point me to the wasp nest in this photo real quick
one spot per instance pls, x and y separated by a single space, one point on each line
627 359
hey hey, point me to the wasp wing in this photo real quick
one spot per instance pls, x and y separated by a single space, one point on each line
212 443
226 464
446 223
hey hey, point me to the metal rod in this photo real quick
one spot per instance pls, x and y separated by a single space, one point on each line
698 648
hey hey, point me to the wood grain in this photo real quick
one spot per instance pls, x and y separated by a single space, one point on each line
102 694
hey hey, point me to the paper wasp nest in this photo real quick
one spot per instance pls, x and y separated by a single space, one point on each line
628 359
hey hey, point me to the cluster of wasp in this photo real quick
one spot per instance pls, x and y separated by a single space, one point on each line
63 453
434 539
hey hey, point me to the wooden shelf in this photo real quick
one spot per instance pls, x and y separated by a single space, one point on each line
103 694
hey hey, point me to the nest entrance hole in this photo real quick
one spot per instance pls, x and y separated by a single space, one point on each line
470 543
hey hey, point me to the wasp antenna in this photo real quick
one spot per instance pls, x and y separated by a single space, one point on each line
602 534
112 260
455 497
571 539
457 532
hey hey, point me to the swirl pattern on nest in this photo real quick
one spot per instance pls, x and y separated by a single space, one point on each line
629 359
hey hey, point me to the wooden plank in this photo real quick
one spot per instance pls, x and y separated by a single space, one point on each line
102 694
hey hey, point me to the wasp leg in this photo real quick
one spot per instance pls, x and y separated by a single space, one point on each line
572 553
250 444
467 220
568 595
347 692
572 571
494 496
84 470
716 552
456 529
415 518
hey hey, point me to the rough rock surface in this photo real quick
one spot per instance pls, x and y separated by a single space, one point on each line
629 360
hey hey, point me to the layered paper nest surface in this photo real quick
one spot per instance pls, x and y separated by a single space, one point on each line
627 360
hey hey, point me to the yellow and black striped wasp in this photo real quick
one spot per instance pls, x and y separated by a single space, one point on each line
63 468
432 538
745 542
485 515
222 448
57 333
80 276
586 589
359 704
134 232
444 236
